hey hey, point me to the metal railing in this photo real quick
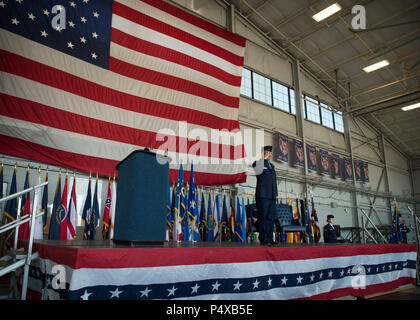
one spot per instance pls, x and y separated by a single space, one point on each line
24 261
364 229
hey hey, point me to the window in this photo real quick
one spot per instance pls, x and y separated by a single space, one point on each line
246 83
326 116
312 109
262 88
281 96
292 101
338 121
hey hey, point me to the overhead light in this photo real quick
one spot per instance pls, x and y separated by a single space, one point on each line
326 12
411 107
376 66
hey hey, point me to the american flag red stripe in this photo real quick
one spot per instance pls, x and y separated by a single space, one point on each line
165 66
168 54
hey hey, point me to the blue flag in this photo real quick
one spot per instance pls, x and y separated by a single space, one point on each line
169 211
191 200
225 233
210 221
203 219
238 222
243 216
86 213
183 210
196 221
95 214
54 232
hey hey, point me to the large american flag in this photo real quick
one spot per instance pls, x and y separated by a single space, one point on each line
85 82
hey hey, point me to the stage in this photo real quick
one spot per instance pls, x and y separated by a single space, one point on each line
101 270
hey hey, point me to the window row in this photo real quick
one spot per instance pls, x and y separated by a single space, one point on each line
268 91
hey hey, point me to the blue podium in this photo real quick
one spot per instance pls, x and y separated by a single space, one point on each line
142 195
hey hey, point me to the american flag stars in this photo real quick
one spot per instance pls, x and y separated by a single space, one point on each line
78 28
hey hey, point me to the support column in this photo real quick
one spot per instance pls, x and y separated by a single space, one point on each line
230 18
349 149
386 174
300 118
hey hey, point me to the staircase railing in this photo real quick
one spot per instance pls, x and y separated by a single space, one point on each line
24 260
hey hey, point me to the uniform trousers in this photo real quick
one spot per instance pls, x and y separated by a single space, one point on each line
266 214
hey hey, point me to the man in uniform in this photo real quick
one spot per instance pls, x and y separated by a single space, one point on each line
330 234
266 194
404 229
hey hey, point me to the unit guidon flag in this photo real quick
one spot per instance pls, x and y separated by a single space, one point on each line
85 82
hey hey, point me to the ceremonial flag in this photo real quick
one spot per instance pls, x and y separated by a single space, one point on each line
191 202
306 221
296 218
225 231
232 219
283 148
243 216
106 218
210 221
168 213
86 213
95 213
183 215
54 232
196 221
110 75
62 213
395 234
298 153
176 224
113 204
238 222
38 227
44 206
311 153
203 219
72 213
218 216
10 211
25 209
314 222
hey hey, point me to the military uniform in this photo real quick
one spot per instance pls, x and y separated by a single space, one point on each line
330 234
266 194
404 230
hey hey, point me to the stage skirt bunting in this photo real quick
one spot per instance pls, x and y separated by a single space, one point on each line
311 272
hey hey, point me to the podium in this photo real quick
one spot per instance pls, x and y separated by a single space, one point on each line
142 196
